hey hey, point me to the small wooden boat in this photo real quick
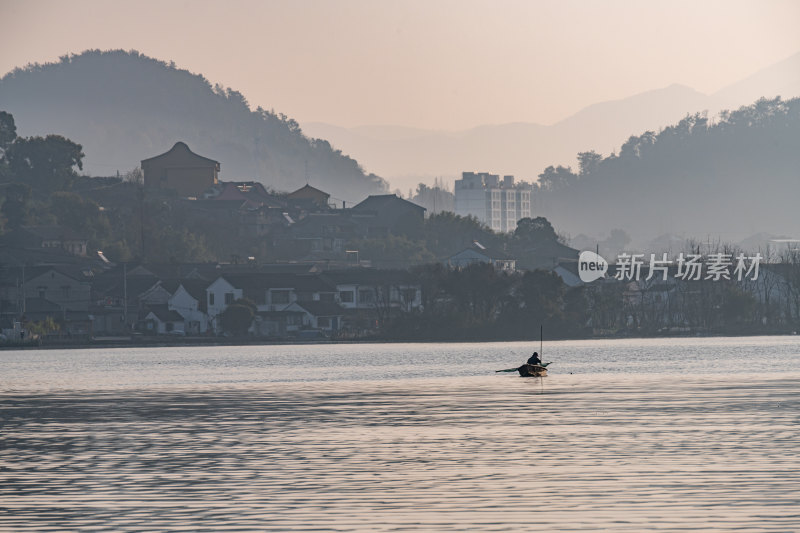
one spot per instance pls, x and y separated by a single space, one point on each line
532 371
528 370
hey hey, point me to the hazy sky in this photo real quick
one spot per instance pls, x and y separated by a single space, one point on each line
431 64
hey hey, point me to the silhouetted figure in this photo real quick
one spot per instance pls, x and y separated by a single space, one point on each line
534 359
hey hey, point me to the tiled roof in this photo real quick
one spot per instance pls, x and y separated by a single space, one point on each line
307 189
163 313
181 146
379 202
196 288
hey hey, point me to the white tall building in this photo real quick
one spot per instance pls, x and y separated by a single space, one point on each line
497 203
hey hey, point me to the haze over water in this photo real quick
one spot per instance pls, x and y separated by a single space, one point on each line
694 434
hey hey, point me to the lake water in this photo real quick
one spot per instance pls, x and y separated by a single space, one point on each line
624 435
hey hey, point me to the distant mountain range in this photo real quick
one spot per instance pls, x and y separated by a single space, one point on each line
124 107
525 149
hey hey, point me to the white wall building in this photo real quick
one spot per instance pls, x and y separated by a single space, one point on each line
497 203
220 294
366 289
195 320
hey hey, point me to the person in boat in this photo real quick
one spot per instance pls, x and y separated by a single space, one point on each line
534 359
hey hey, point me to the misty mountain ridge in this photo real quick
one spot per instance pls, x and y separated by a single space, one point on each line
780 79
525 149
124 107
717 181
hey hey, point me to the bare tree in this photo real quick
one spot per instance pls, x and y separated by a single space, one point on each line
135 176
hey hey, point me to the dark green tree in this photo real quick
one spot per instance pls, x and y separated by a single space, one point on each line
237 317
8 131
557 177
398 250
531 231
16 207
431 278
46 163
447 233
737 307
177 245
478 291
540 295
588 162
80 215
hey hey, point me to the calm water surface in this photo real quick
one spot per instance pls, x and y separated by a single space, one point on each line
633 435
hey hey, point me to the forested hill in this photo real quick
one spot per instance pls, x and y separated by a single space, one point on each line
727 179
124 107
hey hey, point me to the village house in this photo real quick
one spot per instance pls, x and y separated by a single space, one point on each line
116 296
185 297
275 296
323 316
59 292
47 237
545 255
478 253
67 288
370 295
313 197
160 320
278 324
219 295
188 300
392 215
158 294
133 291
252 194
181 170
366 288
327 232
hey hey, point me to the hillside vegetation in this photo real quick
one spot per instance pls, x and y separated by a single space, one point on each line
123 107
730 178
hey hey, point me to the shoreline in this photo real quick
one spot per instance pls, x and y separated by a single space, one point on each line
160 342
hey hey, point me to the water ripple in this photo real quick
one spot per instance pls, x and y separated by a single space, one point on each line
491 453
